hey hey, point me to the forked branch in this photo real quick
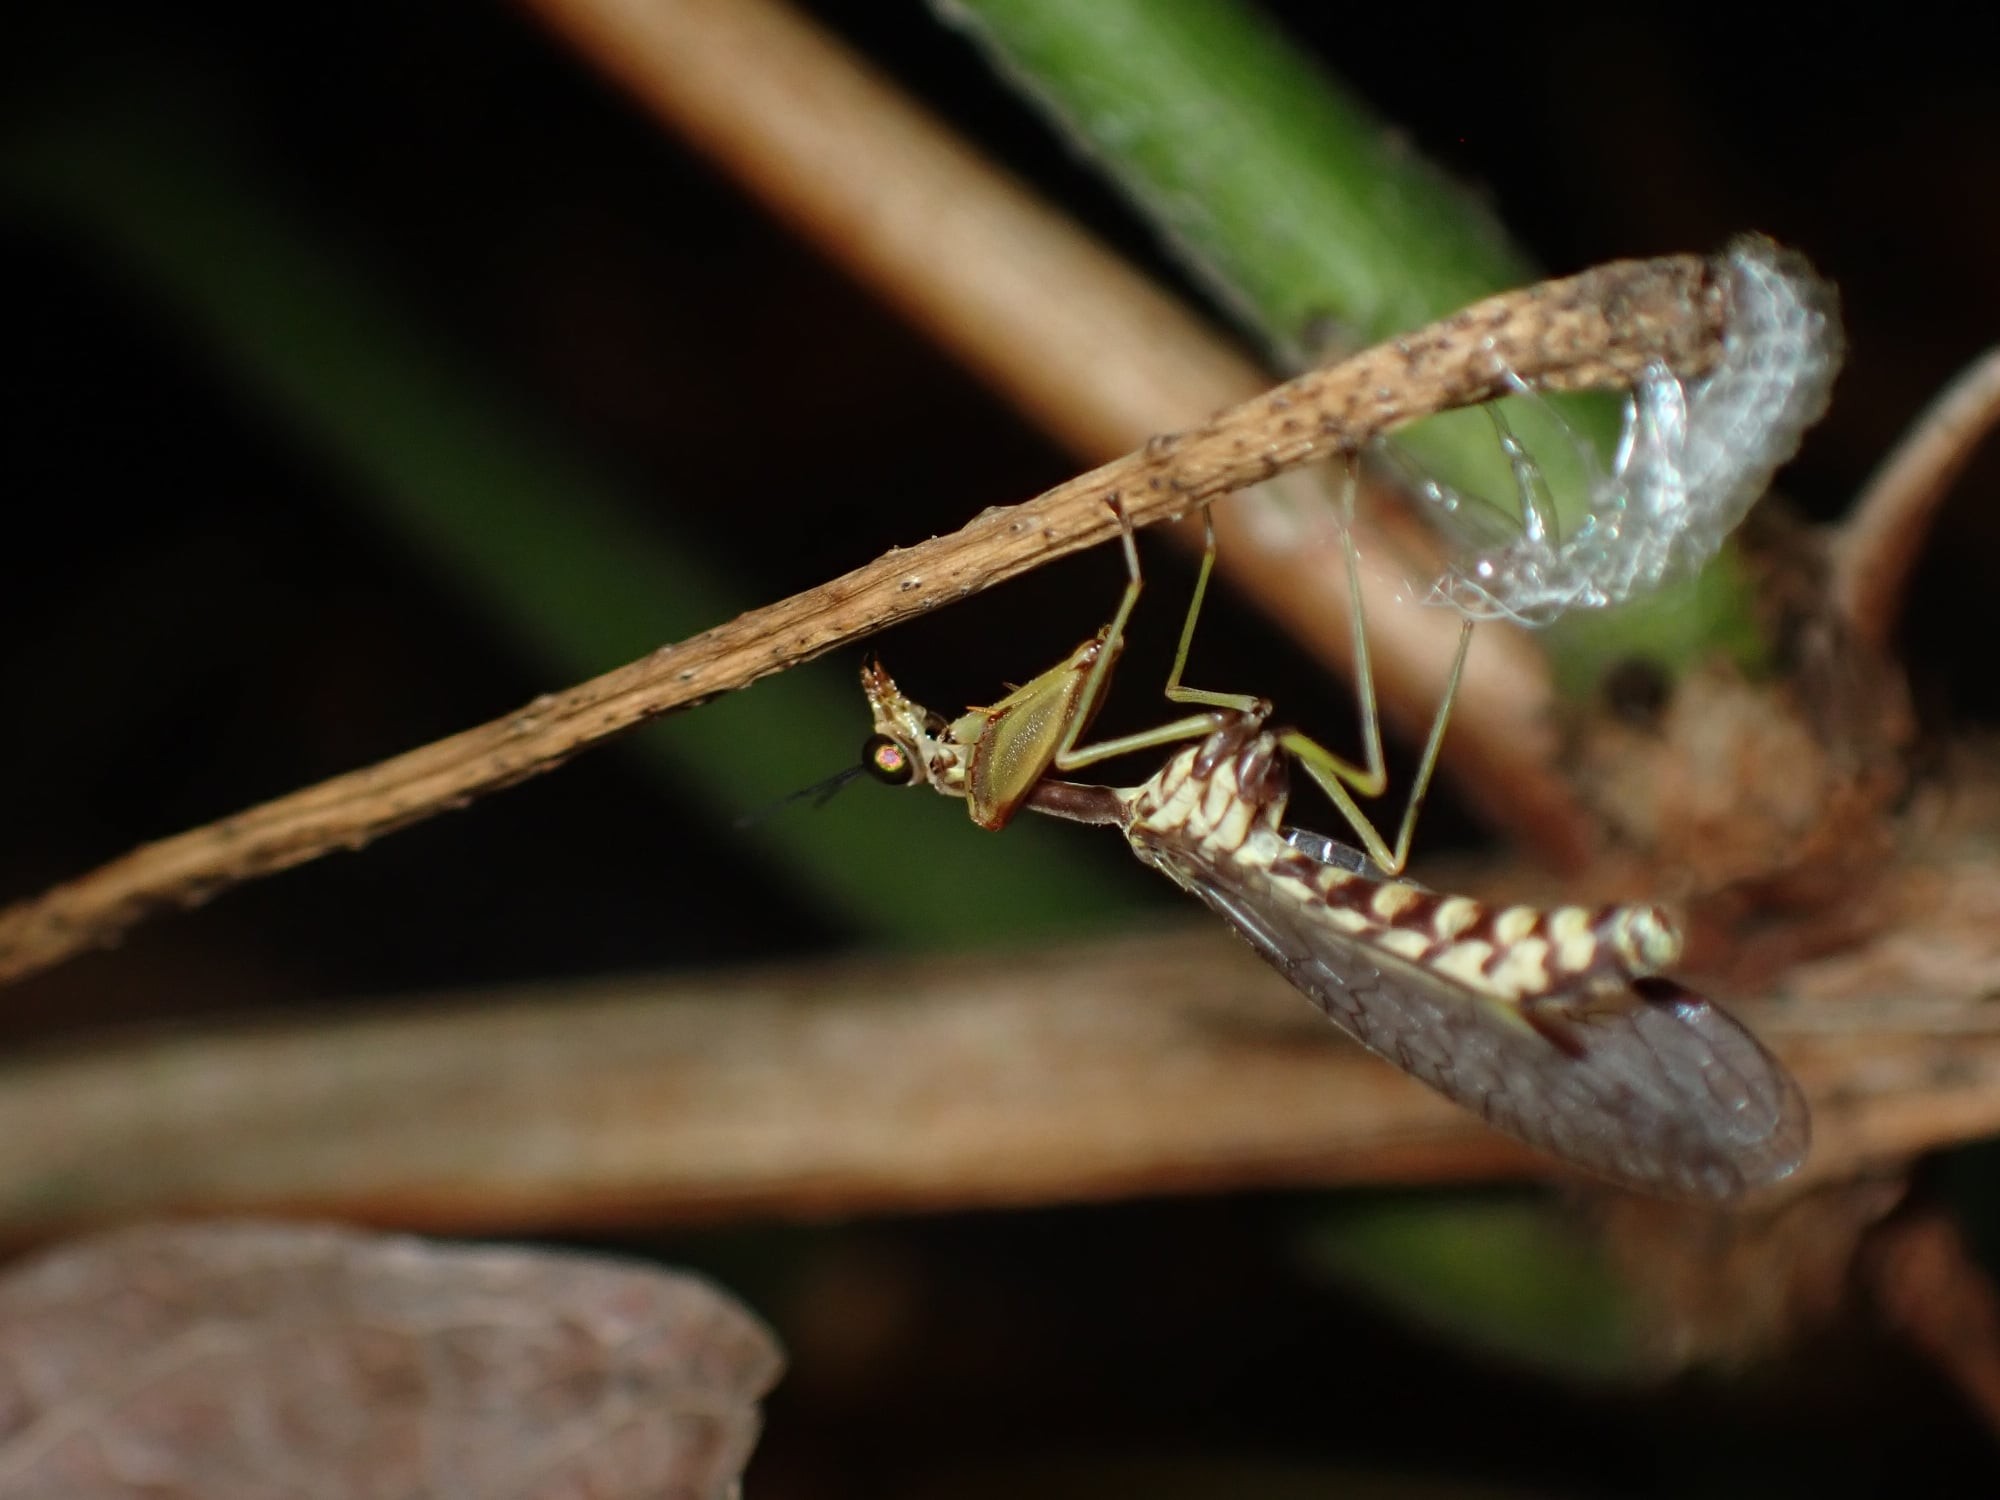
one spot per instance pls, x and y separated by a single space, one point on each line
1597 329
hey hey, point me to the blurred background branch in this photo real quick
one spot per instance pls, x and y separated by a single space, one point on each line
1164 1062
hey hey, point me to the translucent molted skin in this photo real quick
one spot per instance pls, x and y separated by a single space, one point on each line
1692 461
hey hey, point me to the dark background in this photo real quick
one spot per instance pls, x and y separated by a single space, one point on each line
196 613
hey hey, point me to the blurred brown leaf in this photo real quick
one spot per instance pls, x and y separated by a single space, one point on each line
270 1360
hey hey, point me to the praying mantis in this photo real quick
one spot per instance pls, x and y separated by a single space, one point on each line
1557 1025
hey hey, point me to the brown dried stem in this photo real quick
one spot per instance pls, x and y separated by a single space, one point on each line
1151 1063
1879 544
1600 328
1090 351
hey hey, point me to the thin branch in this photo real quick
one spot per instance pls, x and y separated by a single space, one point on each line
1599 328
1879 544
1086 347
1090 351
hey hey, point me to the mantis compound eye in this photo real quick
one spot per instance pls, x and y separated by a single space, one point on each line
888 760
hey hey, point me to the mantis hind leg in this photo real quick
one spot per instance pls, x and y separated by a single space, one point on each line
1342 779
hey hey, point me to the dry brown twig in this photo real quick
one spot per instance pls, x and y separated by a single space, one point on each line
1597 329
